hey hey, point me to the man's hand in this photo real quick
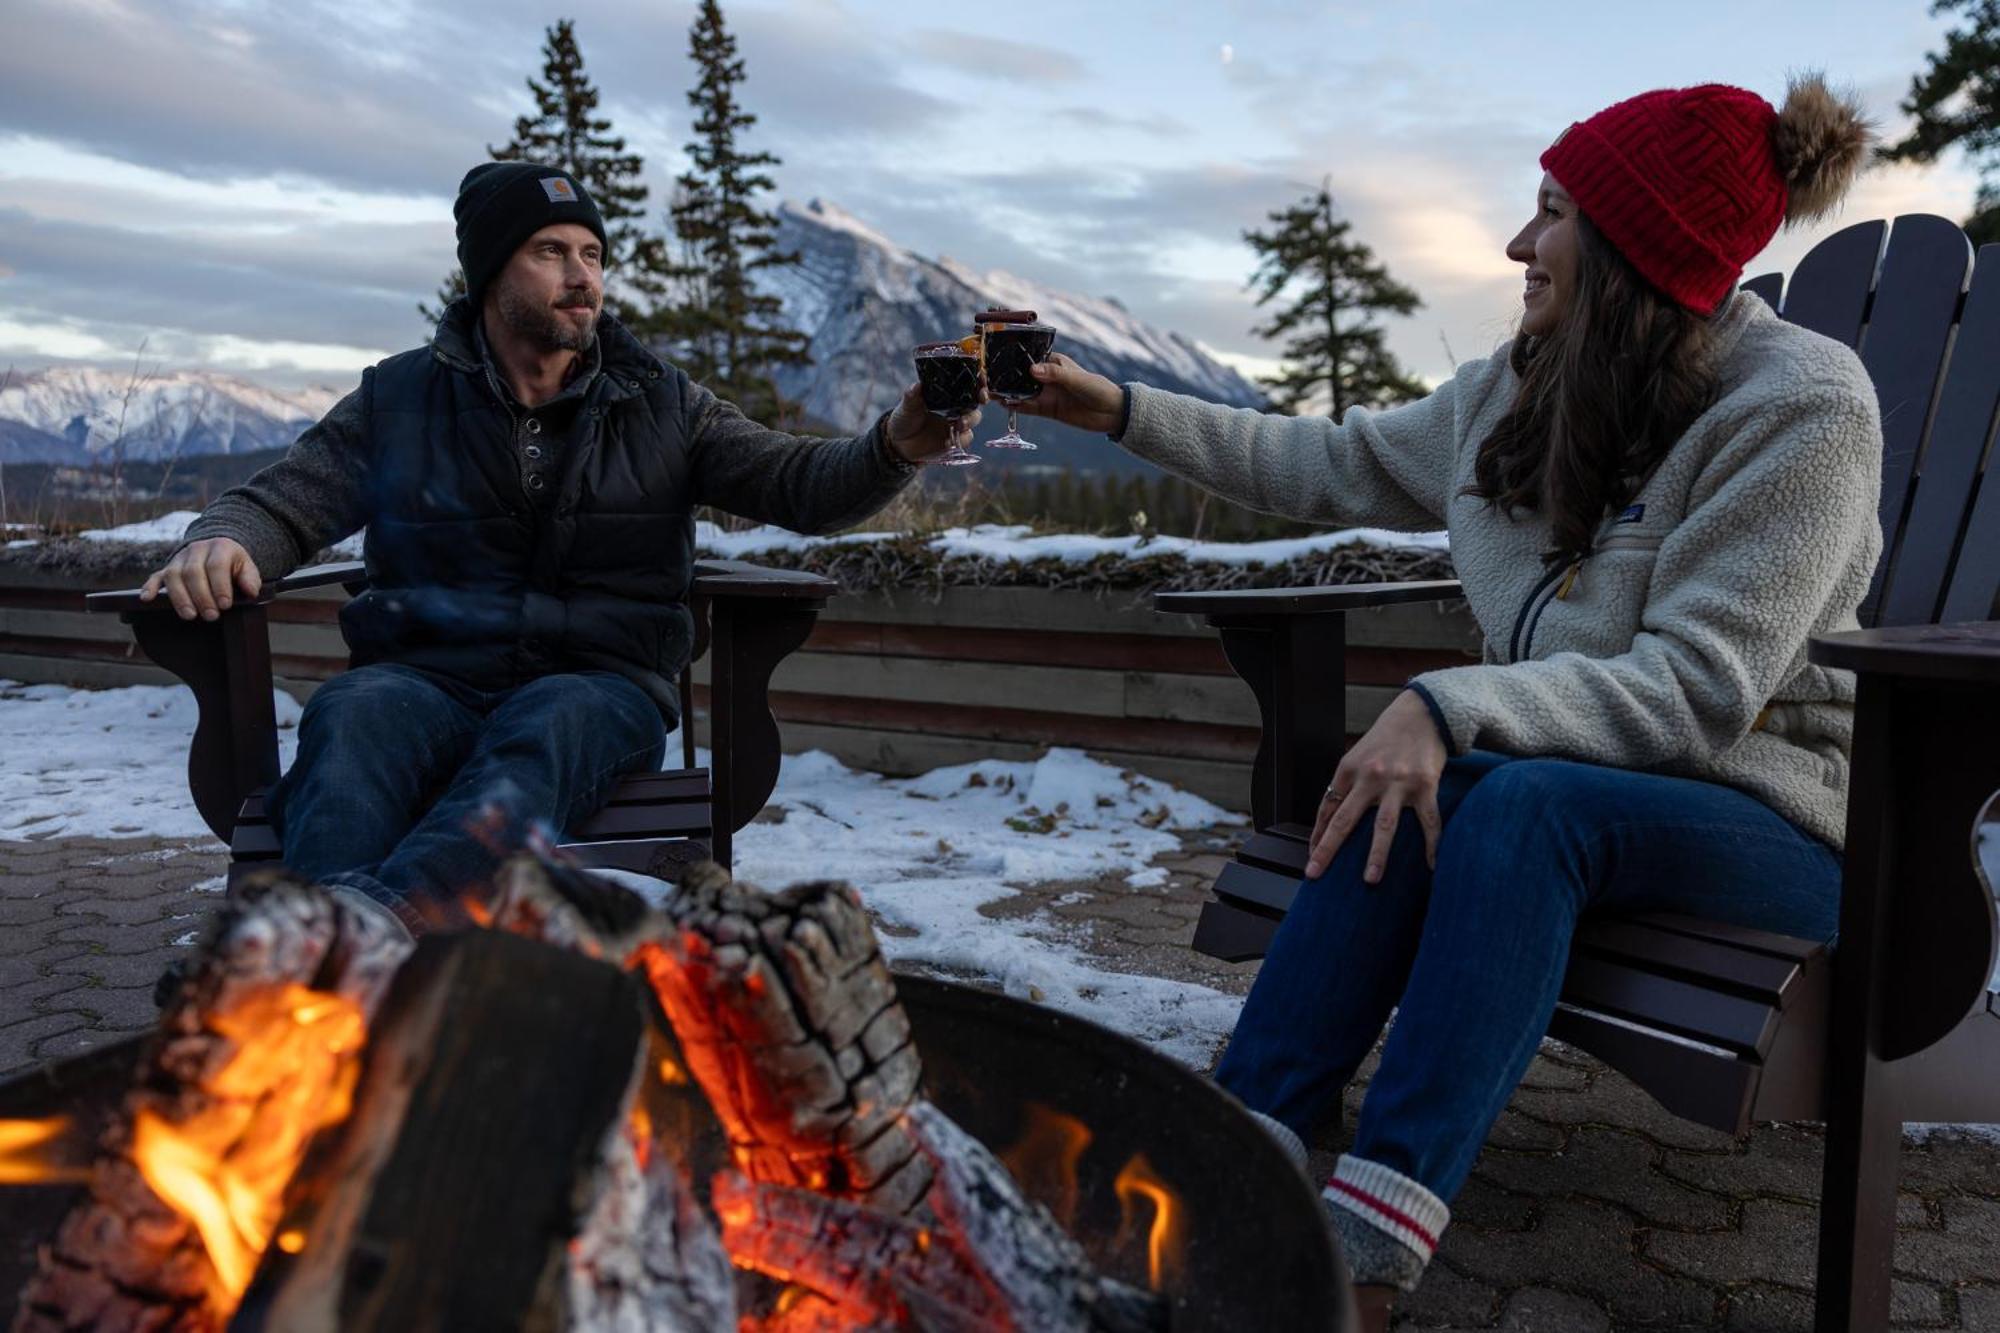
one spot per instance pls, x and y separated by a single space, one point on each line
203 577
1072 395
917 435
1396 766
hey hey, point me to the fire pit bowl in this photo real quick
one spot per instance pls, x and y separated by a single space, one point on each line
1098 1126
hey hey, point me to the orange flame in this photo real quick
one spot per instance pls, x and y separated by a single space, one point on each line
225 1167
32 1152
1139 1181
1044 1159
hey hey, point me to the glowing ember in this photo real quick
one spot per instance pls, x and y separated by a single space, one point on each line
225 1166
1139 1181
32 1152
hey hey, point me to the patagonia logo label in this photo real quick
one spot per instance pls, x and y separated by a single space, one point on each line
1632 514
559 190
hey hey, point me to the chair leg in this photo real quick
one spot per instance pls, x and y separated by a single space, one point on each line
1857 1224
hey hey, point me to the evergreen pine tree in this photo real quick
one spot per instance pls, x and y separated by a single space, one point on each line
1956 101
1332 286
723 330
565 131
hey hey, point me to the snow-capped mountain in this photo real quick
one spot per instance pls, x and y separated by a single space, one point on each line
73 414
867 301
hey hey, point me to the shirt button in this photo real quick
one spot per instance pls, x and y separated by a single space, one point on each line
533 451
534 425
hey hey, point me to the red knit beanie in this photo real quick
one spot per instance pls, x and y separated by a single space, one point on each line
1691 183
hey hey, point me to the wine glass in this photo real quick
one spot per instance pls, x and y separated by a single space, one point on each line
1014 346
948 376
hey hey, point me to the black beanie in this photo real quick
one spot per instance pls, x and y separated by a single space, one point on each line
501 204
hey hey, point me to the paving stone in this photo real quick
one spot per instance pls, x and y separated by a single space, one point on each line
1449 1299
1618 1102
1779 1160
128 911
71 1044
1483 1204
31 936
1966 1249
111 1008
1951 1163
117 970
1915 1305
1521 1133
21 909
1612 1165
115 939
1776 1242
1584 1246
1979 1307
1543 1310
1763 1308
33 996
1553 1076
17 1040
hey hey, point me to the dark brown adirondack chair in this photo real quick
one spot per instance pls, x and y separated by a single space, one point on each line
746 618
1720 1024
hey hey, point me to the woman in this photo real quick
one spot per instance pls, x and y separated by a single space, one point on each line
1656 493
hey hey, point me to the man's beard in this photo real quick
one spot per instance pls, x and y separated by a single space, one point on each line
544 326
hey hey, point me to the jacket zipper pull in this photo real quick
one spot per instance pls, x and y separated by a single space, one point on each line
1569 581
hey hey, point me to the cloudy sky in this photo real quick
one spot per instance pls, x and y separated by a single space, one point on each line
264 186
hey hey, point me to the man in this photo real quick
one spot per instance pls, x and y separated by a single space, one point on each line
527 482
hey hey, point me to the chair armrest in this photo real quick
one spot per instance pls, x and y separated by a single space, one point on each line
350 574
738 578
1331 599
1967 652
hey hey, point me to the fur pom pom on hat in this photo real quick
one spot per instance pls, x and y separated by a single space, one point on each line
1690 183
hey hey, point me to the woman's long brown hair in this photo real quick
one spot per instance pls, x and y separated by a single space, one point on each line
1602 399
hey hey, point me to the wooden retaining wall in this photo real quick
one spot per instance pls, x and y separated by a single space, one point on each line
894 682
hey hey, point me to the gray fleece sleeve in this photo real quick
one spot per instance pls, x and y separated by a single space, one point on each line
316 494
1387 469
802 482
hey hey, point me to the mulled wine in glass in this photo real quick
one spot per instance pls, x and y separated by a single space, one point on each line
948 377
1015 343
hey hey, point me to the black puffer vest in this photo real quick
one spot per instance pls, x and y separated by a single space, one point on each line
472 577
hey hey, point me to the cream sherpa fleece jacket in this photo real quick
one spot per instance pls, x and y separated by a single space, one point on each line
1679 646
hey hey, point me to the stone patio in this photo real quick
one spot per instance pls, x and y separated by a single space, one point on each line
1590 1208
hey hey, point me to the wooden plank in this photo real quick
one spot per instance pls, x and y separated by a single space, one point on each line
1829 289
79 672
1787 947
1974 588
1691 1010
1231 933
1950 470
1752 975
52 624
1257 888
1101 650
1923 275
906 753
679 820
1173 698
1769 286
920 681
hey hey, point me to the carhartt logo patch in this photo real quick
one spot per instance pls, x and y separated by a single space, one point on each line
559 190
1632 514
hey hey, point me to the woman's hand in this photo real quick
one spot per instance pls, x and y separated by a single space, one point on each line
1395 767
1072 395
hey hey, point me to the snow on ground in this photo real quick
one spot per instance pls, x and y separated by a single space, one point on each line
103 763
925 852
1017 542
165 528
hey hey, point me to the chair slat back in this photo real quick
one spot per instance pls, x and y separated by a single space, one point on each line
1770 286
1830 288
1917 294
1939 559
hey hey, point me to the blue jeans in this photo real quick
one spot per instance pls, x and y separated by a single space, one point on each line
412 787
1471 956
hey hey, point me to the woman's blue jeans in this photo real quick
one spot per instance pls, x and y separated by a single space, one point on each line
412 787
1471 956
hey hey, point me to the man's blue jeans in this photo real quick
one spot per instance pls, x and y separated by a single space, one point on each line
412 787
1471 956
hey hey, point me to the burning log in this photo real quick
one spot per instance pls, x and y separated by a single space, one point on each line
259 1048
787 1013
489 1177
